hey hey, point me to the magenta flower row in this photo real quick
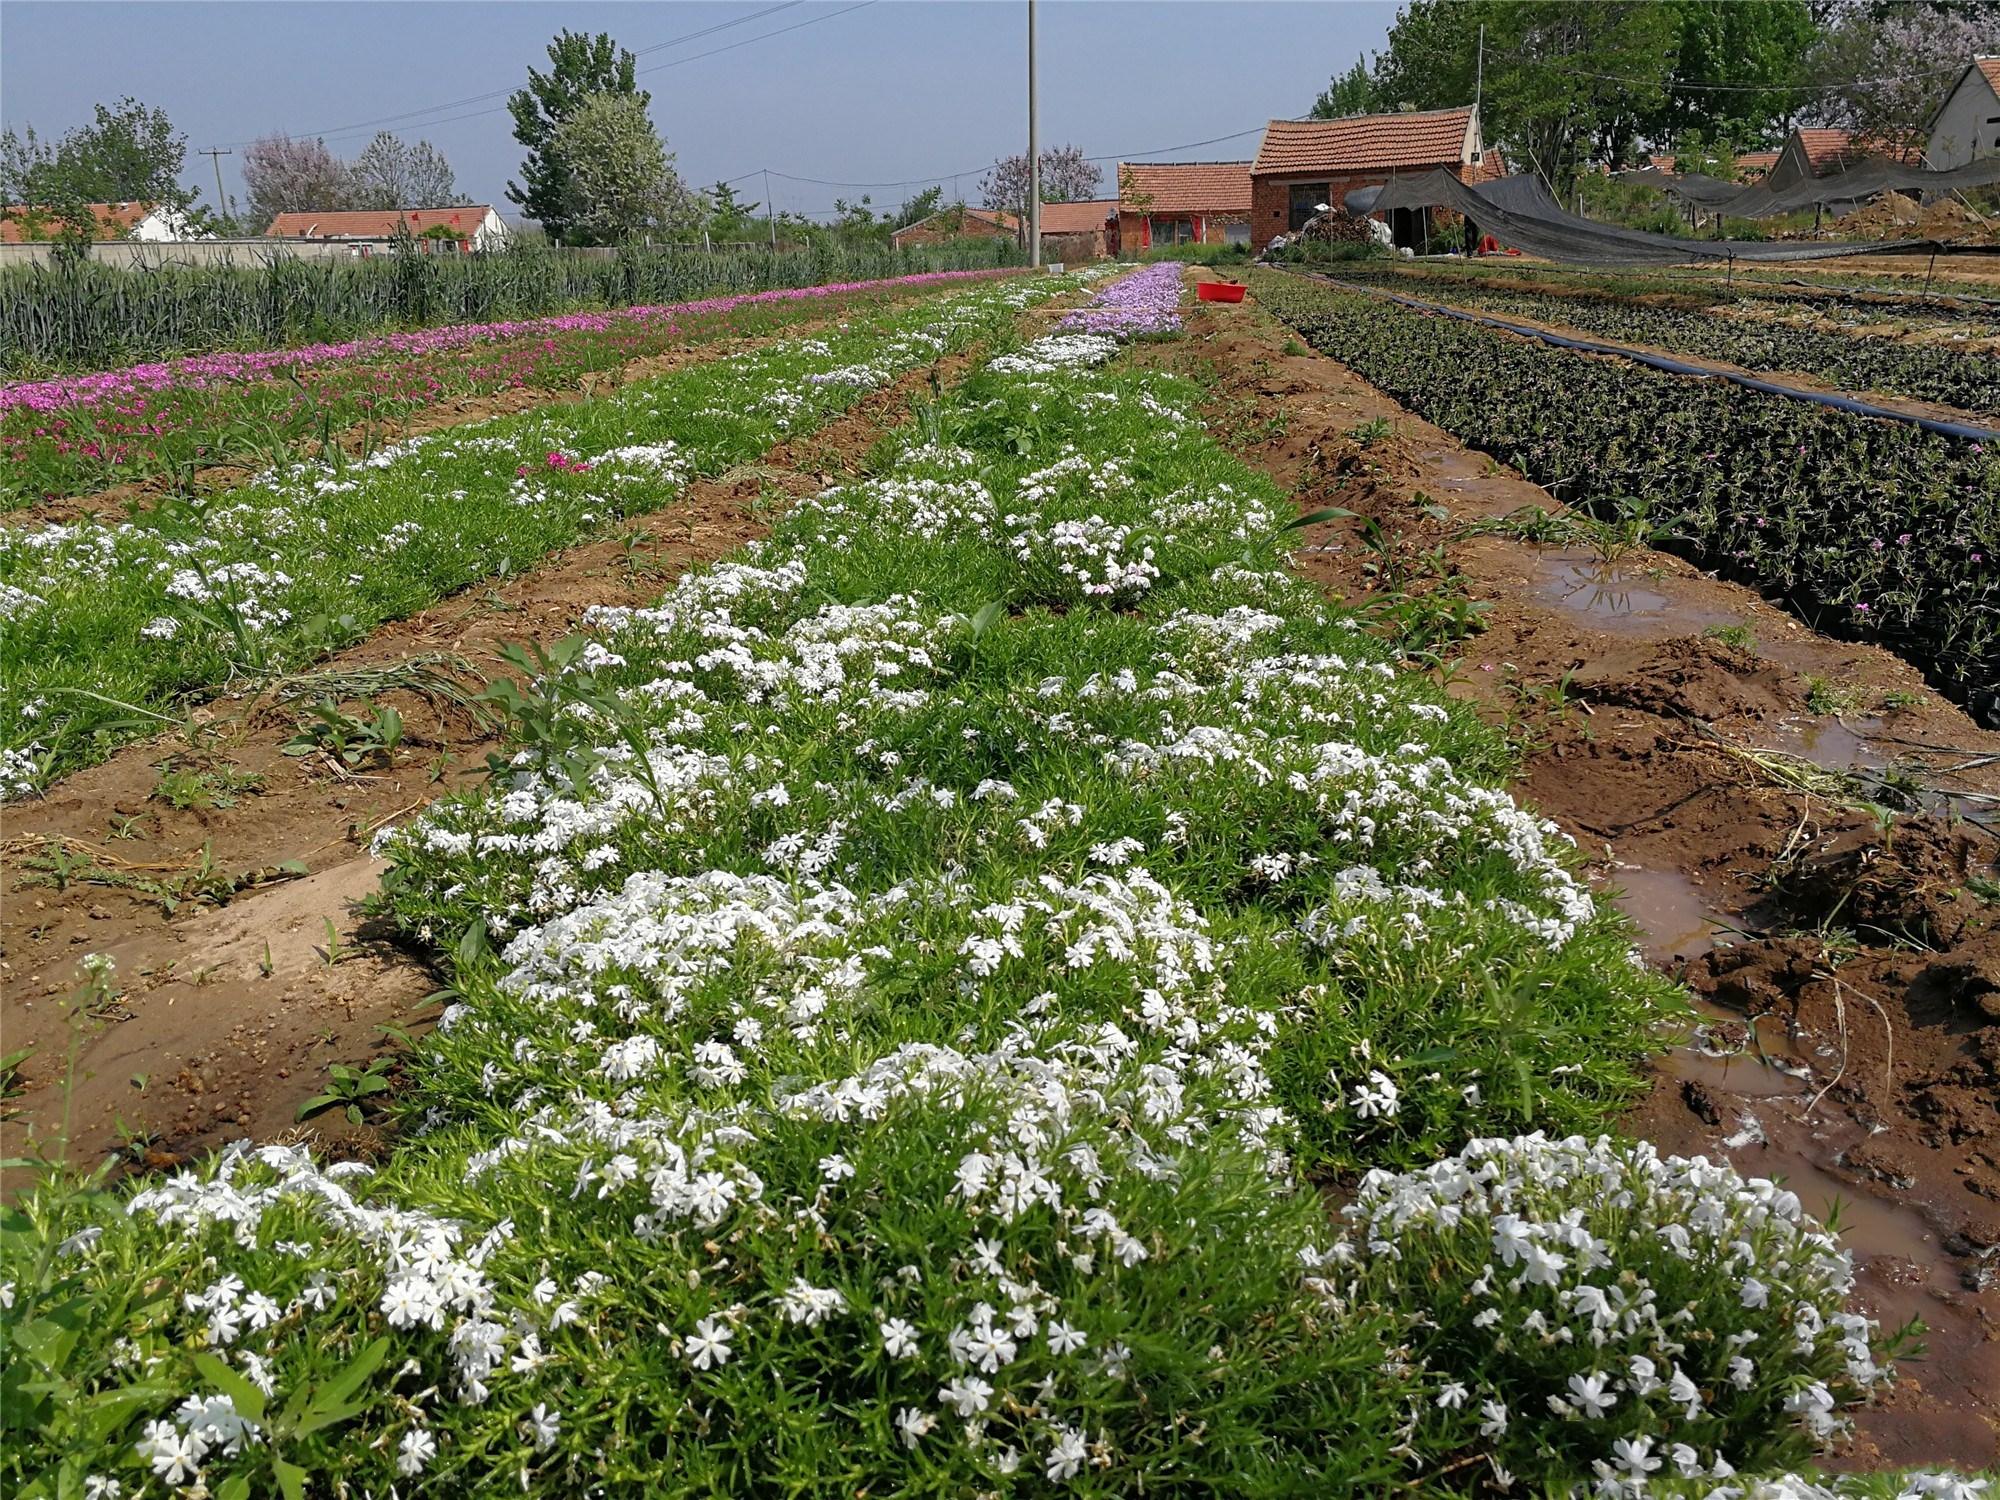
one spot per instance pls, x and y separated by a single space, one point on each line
1147 301
200 371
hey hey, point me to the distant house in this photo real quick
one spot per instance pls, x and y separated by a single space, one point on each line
115 221
1304 164
1077 231
464 226
1182 203
1814 153
958 223
1967 124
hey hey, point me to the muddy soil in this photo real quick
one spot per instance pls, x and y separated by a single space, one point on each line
1704 778
229 1011
457 411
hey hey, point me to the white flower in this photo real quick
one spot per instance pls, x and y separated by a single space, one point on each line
416 1450
1064 1338
899 1339
542 1427
968 1395
912 1424
1067 1455
1634 1456
708 1345
1452 1397
1755 1293
175 1455
1495 1415
1590 1395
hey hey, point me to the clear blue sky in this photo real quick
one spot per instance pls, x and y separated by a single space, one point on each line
897 89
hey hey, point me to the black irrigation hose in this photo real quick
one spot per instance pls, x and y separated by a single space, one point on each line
1963 430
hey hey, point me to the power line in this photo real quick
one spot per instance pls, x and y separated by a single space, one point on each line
929 177
1676 86
692 36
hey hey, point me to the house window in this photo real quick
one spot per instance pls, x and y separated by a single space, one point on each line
1236 232
1306 199
1172 231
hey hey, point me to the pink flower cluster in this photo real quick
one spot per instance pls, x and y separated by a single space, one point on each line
231 367
1147 301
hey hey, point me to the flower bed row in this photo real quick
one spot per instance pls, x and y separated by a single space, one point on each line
1930 372
104 618
78 433
1870 529
902 981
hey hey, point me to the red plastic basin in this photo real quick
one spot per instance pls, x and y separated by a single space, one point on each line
1218 291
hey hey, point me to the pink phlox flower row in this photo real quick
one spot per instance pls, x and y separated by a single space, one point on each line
1147 301
200 371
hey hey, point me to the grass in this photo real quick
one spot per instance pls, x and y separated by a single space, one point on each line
911 984
112 624
164 425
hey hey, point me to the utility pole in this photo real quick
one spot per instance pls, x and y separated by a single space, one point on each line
1034 154
215 155
1479 81
770 210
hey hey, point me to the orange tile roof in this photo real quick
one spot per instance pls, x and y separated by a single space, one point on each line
1826 148
1361 143
114 221
1077 218
376 224
1184 187
1990 68
1756 161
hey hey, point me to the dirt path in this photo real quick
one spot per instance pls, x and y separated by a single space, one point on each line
472 406
229 1013
1767 889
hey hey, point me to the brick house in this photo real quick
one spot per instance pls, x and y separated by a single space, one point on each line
1077 231
463 226
958 223
1182 203
1305 163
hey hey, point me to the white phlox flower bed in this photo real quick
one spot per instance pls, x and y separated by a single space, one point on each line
909 986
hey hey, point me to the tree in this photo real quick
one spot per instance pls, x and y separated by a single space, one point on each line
917 207
1564 79
1067 177
729 218
1745 64
1349 93
619 175
1897 61
129 153
580 67
391 173
285 176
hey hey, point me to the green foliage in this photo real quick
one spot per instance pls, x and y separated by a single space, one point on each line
1877 530
129 153
1931 370
618 175
348 1088
90 315
1349 93
580 66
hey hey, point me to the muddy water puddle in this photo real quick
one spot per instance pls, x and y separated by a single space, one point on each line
1614 598
1674 917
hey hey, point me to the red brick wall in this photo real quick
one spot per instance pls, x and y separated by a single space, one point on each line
1271 197
1132 238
